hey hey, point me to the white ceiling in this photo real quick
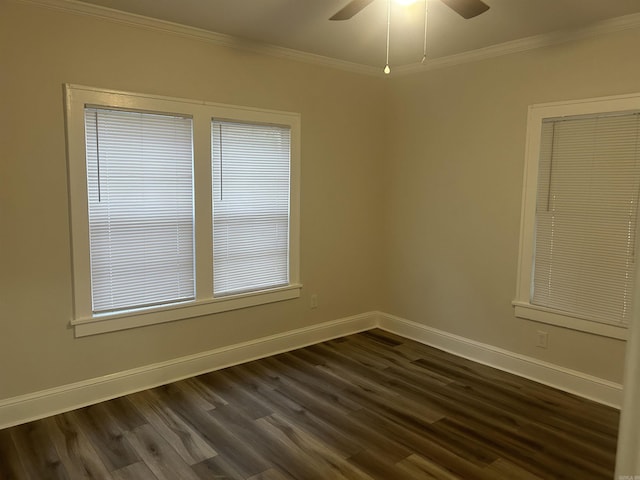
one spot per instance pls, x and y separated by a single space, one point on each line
303 25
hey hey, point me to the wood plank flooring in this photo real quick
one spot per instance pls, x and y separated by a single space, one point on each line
367 406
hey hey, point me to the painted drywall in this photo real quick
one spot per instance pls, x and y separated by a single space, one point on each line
454 186
411 189
342 149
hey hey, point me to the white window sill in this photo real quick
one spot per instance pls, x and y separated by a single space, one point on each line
179 311
561 319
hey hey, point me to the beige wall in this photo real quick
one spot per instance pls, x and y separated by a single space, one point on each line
342 141
454 184
411 189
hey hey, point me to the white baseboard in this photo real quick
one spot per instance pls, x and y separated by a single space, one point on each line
25 408
33 406
572 381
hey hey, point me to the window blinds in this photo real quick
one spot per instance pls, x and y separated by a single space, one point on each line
140 189
250 167
586 214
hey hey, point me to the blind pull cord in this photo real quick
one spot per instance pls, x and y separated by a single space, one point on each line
553 144
98 156
220 140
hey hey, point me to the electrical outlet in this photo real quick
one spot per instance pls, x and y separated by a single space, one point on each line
314 300
543 339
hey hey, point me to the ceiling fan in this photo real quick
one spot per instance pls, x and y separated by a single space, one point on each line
465 8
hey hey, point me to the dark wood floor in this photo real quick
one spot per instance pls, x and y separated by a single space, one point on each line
368 406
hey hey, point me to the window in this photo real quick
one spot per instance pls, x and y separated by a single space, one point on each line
140 198
580 208
250 206
178 208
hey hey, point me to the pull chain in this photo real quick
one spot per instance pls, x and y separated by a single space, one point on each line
387 70
424 48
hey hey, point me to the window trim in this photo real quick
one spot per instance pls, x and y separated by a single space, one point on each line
536 114
84 321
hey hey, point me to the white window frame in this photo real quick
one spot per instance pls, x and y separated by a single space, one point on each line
84 321
537 114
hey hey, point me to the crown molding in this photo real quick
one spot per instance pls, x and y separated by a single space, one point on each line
604 27
609 26
219 39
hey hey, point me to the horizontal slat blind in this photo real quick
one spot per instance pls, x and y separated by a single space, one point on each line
251 164
587 206
140 188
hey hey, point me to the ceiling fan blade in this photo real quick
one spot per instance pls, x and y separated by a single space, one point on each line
467 8
353 7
